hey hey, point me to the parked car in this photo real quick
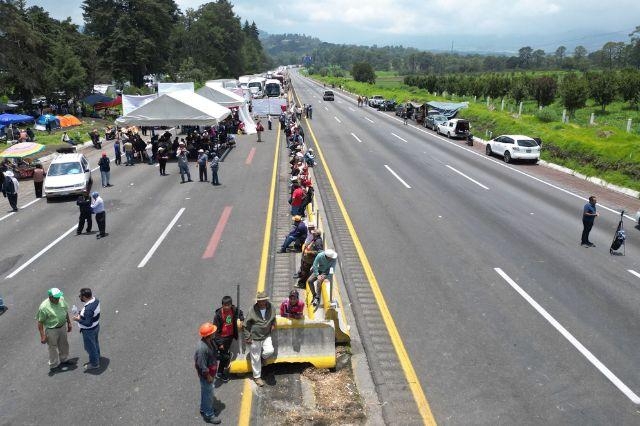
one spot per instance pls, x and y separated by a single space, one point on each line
514 147
388 105
433 121
375 101
327 95
68 174
454 128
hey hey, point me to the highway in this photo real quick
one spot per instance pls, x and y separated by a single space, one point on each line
505 317
153 301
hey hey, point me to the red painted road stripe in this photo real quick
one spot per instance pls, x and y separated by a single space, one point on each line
217 234
250 156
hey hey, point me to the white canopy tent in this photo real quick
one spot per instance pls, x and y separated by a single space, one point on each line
218 94
131 102
175 109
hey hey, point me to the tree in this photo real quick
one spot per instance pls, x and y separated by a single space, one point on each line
603 87
363 71
629 86
634 51
574 92
67 73
525 55
559 54
519 90
544 90
612 54
538 58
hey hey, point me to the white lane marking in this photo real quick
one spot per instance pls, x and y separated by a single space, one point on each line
41 252
632 272
339 101
403 140
579 346
397 177
352 109
337 119
357 138
326 108
369 120
502 164
471 179
6 216
161 238
31 202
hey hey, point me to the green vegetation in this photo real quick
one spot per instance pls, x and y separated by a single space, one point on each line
78 133
605 150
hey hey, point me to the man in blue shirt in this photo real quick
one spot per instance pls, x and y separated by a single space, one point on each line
88 320
589 214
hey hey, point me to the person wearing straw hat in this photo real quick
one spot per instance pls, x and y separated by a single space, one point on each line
51 317
206 362
10 187
260 322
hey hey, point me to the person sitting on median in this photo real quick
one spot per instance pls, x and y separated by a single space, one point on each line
312 246
297 235
260 322
292 307
322 269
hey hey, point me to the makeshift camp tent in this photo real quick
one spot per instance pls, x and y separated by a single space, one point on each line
175 87
41 122
6 119
175 109
110 104
448 109
68 120
218 94
96 98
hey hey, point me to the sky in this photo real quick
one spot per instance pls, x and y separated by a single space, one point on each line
443 25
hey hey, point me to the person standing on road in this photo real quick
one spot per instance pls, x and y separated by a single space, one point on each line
226 320
10 188
202 165
269 122
261 321
97 207
163 157
38 179
215 164
51 317
404 115
116 149
309 111
183 162
259 129
128 152
297 197
105 169
322 269
206 361
89 323
84 204
589 215
148 150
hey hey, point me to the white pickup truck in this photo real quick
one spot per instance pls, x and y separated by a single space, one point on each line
375 101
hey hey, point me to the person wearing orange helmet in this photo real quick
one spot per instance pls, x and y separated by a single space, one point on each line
206 363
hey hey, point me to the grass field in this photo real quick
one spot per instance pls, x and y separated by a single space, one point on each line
604 150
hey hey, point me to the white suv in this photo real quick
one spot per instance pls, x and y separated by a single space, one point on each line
514 147
68 174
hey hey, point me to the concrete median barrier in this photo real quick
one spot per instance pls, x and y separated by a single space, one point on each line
330 309
296 341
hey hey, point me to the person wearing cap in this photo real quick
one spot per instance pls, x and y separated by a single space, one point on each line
215 165
310 158
292 307
97 207
163 157
309 252
202 165
297 235
206 362
88 320
321 269
10 188
116 150
227 319
260 322
51 318
183 162
105 169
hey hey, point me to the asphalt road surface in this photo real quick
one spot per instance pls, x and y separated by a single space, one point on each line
150 312
505 317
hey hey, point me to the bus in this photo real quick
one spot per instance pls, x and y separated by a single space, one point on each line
273 88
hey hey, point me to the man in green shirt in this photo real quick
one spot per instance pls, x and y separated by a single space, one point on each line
52 316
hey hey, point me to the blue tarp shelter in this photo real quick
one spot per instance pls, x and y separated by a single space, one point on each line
96 98
448 109
7 119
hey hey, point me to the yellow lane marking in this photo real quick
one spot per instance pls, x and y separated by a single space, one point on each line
403 356
247 395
